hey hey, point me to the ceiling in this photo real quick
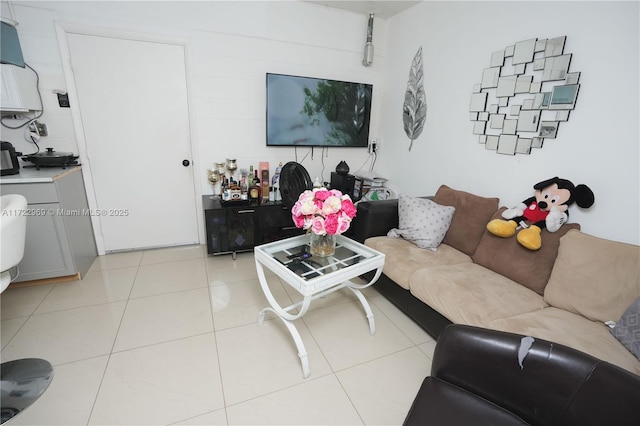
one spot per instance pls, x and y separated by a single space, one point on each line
382 9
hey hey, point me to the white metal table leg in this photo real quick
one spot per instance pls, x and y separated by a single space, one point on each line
320 288
286 318
355 288
367 309
276 308
302 351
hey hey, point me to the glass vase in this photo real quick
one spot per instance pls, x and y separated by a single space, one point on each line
323 245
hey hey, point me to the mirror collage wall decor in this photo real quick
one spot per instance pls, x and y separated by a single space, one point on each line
523 96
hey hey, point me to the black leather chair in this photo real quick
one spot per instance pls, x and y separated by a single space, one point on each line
487 377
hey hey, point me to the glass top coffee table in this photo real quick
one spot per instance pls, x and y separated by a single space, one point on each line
314 277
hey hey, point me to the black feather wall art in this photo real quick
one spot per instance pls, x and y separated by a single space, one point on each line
414 111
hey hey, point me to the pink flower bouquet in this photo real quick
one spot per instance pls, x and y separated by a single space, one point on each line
323 211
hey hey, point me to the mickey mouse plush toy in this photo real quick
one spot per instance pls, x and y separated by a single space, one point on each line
547 209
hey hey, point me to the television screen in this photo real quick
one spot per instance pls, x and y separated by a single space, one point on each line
305 111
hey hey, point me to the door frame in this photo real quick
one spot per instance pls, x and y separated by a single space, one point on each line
64 28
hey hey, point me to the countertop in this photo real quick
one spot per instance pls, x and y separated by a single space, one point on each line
44 175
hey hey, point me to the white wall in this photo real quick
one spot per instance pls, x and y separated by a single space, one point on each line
598 146
232 45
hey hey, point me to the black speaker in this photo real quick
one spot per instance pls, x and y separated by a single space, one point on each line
343 183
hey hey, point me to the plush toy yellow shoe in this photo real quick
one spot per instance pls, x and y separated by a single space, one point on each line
530 238
502 228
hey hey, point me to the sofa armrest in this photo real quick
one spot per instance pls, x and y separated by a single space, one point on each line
374 218
487 363
541 383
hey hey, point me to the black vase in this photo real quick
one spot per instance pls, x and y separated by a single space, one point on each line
342 168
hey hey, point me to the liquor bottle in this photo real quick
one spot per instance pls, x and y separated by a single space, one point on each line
275 183
244 189
264 188
235 190
226 194
254 192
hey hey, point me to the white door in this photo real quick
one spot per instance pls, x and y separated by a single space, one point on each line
133 104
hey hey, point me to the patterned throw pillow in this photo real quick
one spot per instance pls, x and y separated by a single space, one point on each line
627 329
422 222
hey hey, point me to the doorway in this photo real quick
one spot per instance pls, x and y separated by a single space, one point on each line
134 130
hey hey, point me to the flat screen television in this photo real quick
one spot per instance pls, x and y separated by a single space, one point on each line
306 111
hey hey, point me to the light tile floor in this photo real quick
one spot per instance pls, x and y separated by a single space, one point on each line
169 336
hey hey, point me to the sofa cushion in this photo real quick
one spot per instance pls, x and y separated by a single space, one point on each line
470 219
421 221
471 294
627 329
594 277
507 257
566 328
403 258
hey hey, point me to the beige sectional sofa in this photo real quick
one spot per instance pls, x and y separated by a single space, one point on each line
564 292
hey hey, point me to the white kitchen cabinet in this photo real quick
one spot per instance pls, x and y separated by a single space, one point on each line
19 90
60 240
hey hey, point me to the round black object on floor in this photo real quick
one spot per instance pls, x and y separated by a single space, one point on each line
294 180
23 381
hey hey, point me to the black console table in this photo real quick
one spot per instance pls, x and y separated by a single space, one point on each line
233 228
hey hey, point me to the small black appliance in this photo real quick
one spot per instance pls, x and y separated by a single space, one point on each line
52 158
344 183
9 164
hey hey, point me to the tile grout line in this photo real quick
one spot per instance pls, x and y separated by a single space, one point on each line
28 318
215 335
211 271
106 367
333 371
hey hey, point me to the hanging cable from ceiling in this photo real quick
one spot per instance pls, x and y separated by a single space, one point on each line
367 60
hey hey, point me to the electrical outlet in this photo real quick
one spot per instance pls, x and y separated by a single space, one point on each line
42 128
373 146
63 100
